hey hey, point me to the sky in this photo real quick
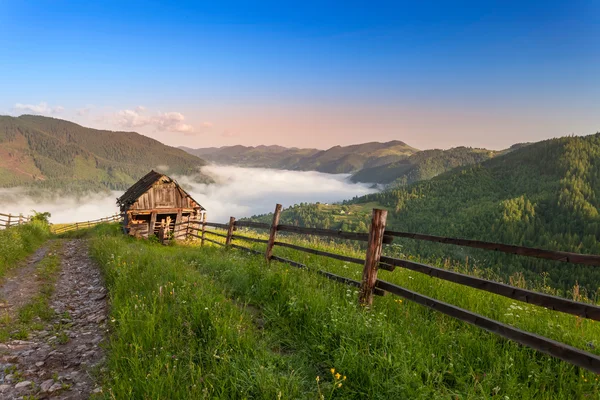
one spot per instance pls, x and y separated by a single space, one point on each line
434 74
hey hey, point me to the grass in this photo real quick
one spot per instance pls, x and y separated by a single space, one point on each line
36 312
191 322
18 242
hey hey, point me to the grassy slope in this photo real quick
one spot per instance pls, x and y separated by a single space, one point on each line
18 242
194 322
56 154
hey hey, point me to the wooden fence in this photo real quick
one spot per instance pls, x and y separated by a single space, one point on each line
85 224
8 220
370 285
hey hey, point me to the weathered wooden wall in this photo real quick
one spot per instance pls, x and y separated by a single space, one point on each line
164 195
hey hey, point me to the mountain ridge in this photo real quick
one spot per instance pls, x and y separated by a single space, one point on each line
52 153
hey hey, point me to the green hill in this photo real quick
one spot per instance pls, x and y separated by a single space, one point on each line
543 195
49 153
338 159
248 156
422 165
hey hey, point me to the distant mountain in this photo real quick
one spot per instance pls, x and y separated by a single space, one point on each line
544 194
45 152
247 156
423 165
338 159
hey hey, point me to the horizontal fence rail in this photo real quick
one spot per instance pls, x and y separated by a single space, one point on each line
585 259
551 347
526 296
370 285
8 220
86 224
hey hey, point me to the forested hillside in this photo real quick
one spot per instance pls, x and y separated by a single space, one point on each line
543 195
338 159
43 152
422 165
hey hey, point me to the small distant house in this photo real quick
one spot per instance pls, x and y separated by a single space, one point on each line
157 201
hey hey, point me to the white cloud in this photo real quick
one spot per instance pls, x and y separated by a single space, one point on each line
172 122
169 121
42 108
131 119
84 111
241 192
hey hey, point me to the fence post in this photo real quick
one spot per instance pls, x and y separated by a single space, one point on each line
8 222
374 246
273 232
20 219
203 228
230 231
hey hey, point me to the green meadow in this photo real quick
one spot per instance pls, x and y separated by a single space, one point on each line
209 322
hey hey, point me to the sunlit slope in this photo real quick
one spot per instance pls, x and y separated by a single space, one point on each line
193 322
423 165
56 154
543 195
338 159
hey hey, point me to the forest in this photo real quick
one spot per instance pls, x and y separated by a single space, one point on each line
47 153
543 195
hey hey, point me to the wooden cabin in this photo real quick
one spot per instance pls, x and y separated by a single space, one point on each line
157 201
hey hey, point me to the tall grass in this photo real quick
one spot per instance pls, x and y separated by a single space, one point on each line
20 241
192 322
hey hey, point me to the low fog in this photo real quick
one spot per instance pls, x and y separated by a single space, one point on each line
239 192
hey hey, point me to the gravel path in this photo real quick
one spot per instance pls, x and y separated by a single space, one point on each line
61 361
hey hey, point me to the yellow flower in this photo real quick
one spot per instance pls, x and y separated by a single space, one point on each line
318 378
338 376
344 378
332 371
339 385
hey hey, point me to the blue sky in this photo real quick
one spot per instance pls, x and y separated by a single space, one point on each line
434 74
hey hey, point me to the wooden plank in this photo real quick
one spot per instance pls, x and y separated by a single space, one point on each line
348 281
152 223
203 229
177 226
556 303
230 230
374 245
216 225
251 224
321 253
358 236
216 234
291 262
214 241
576 258
273 232
542 344
236 246
250 239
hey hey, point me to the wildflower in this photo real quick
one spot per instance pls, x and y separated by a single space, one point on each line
332 371
345 378
339 385
338 376
318 378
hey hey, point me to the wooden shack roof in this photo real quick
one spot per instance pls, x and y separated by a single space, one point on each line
143 185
